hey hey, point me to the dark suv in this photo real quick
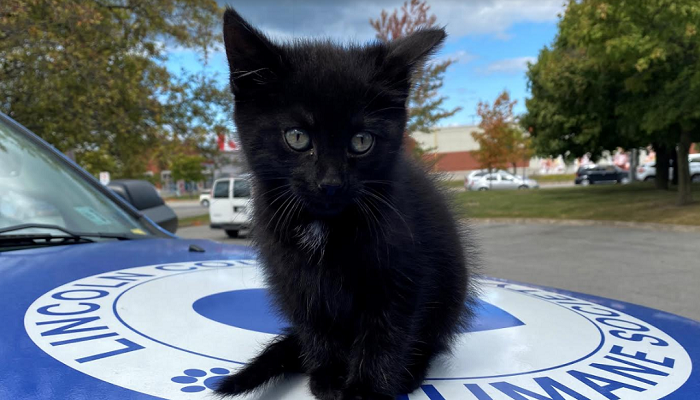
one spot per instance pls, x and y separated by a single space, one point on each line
591 174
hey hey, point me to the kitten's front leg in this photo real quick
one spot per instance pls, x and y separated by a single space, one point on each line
327 384
326 365
378 361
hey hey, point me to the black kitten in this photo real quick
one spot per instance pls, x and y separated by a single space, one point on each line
360 252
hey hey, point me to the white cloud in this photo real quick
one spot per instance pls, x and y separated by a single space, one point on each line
509 65
458 57
493 17
349 20
461 56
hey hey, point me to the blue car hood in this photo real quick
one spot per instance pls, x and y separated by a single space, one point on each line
25 370
152 319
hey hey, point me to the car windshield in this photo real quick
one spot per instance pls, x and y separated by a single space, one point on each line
36 187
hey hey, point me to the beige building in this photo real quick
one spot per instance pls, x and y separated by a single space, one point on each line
448 139
453 147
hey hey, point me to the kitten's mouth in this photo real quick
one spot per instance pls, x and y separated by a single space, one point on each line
326 209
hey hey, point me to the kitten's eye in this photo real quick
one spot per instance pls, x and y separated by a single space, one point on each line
361 142
297 139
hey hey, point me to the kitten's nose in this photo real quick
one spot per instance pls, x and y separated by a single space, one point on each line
330 189
330 182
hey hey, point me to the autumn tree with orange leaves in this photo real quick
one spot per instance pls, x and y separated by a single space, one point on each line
425 103
501 141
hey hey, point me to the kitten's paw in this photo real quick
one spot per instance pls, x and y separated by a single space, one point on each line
353 395
325 388
410 383
410 387
233 385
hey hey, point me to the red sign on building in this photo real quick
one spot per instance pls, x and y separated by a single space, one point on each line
226 144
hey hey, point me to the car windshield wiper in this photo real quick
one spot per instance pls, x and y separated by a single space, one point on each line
17 242
45 239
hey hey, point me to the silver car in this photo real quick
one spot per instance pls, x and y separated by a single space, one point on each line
502 180
475 175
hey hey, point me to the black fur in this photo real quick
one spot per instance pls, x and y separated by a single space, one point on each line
372 276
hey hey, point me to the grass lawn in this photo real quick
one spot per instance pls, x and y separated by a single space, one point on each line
636 203
193 221
454 184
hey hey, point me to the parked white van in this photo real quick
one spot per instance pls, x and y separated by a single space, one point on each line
230 205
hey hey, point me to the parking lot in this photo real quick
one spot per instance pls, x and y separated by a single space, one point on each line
654 269
187 208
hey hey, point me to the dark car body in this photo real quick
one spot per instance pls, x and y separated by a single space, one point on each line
597 174
143 196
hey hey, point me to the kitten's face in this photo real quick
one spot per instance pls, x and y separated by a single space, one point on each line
325 120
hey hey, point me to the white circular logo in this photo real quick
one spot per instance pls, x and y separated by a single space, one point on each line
174 330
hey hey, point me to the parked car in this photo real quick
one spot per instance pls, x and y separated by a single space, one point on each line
478 174
205 198
230 205
600 174
647 172
472 176
58 225
145 198
502 180
45 198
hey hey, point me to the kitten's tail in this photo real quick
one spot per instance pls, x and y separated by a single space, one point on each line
281 356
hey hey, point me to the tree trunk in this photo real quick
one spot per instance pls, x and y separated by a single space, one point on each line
490 181
515 168
673 162
661 179
683 168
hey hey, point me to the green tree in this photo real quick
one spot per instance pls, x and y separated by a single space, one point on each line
571 110
632 70
425 105
88 76
187 168
655 46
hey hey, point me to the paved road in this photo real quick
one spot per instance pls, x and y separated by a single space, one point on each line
655 269
187 208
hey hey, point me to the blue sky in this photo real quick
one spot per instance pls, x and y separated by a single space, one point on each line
491 39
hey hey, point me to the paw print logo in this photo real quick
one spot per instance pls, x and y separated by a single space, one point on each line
196 380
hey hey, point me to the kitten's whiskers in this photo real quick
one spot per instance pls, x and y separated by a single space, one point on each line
379 197
280 207
284 208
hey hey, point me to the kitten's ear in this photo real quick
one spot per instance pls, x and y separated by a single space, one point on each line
416 47
406 54
254 61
